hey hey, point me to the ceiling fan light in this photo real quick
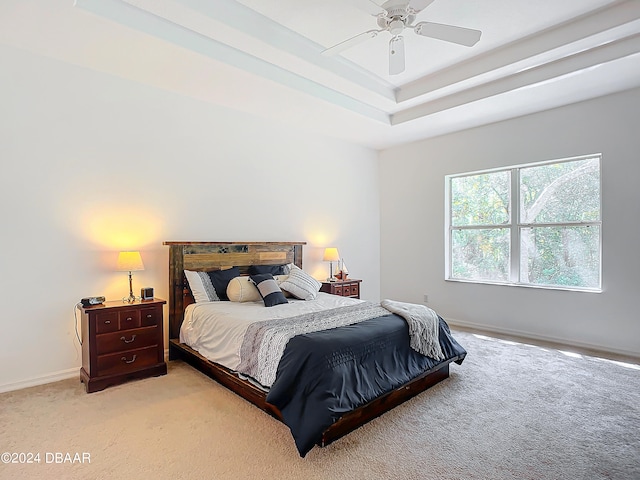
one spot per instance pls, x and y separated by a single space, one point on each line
396 27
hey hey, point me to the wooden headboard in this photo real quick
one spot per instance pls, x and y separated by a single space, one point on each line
207 256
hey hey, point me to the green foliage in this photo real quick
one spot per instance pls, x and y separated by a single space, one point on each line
561 256
481 254
481 199
560 192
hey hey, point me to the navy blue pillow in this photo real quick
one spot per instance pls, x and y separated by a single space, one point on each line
272 269
269 289
221 278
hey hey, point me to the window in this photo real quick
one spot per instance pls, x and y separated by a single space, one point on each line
538 225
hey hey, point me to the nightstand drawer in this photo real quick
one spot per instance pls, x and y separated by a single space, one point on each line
126 340
129 318
128 361
106 322
150 316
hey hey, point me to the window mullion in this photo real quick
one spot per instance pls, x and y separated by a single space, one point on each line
448 227
514 251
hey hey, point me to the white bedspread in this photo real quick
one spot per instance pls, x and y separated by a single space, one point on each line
216 329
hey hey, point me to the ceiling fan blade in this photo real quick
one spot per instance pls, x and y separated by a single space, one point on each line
350 42
370 7
418 5
448 33
396 55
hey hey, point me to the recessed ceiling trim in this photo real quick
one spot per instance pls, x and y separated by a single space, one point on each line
141 20
252 23
611 16
572 63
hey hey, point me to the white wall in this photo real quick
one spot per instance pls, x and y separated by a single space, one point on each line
412 224
92 164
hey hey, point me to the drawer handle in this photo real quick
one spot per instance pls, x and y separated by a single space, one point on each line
149 315
133 337
107 322
124 359
129 319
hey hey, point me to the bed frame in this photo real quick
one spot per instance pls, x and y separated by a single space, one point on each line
207 256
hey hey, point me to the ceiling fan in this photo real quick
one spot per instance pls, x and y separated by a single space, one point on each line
394 16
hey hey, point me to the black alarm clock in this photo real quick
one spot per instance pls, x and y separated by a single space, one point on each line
89 301
146 293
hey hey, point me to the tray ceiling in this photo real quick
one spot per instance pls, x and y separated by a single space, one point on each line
264 57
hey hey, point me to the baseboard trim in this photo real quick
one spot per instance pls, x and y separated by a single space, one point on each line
41 380
50 378
587 348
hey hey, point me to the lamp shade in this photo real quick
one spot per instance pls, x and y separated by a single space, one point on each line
331 254
129 262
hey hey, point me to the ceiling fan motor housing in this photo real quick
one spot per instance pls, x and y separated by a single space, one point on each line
396 18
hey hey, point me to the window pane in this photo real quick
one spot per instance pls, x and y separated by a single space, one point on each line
561 256
480 199
480 254
560 192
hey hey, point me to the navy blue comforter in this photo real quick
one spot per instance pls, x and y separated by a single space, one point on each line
323 375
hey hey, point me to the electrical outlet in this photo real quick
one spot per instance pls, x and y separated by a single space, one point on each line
426 298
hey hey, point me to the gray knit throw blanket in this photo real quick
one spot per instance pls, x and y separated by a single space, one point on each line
424 326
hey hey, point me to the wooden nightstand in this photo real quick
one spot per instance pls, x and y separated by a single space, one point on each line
343 288
122 341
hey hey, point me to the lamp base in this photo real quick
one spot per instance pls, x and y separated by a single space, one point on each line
331 278
131 298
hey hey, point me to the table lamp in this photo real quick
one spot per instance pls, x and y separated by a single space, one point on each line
331 255
130 262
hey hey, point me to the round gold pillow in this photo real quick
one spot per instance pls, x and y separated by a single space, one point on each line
241 289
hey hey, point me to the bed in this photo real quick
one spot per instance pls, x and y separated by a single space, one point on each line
385 373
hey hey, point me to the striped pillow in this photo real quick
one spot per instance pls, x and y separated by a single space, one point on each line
201 287
300 284
268 289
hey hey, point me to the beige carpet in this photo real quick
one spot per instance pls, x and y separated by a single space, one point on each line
509 412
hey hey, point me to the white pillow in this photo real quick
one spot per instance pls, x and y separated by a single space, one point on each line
201 286
242 289
300 284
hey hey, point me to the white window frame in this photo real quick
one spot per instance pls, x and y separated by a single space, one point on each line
515 226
